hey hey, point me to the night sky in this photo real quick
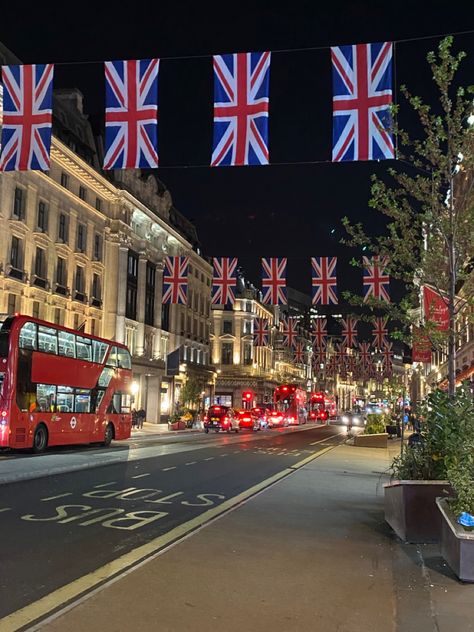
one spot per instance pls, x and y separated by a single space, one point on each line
249 212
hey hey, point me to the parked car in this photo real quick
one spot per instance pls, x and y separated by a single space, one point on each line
248 419
221 418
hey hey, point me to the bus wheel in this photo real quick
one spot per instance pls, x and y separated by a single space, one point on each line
108 436
40 439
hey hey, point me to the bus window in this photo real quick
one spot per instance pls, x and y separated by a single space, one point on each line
115 404
106 375
124 360
65 399
99 350
28 336
47 339
126 403
67 343
2 379
83 348
112 359
99 396
83 401
45 398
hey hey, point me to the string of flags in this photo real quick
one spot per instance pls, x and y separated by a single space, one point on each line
362 97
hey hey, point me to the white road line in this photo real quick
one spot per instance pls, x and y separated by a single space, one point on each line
105 484
58 496
167 469
140 475
5 509
191 463
323 440
209 458
224 454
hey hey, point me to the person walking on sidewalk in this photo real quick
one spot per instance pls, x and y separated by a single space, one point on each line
134 418
141 415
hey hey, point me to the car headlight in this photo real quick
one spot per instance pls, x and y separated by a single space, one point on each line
355 420
345 420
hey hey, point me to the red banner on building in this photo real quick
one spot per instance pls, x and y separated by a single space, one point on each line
421 346
435 308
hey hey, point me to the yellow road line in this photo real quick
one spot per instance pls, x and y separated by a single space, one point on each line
108 572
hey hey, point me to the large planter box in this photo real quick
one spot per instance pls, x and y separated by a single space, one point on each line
177 425
457 544
410 509
371 440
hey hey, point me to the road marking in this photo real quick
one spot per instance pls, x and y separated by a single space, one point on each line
105 484
5 509
210 458
323 440
167 469
224 454
113 571
191 463
140 475
58 496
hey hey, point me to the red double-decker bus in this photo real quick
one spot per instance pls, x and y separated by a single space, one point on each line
322 406
290 400
59 386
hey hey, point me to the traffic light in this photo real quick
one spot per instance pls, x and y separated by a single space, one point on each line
247 395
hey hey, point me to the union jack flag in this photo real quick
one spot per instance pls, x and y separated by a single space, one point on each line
274 281
131 113
298 354
376 280
364 354
341 355
260 332
241 87
224 280
332 366
290 331
349 331
362 86
319 357
319 332
324 280
175 280
380 332
387 357
27 117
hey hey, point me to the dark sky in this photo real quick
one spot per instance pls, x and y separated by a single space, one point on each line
277 210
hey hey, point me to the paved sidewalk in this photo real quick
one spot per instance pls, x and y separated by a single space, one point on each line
310 554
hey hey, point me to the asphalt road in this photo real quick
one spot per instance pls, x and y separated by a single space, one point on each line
57 529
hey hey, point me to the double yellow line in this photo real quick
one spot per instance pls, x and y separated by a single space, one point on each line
64 598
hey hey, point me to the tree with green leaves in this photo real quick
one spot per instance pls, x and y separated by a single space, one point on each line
428 199
191 391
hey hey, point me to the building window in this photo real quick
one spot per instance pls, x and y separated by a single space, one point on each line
42 219
19 201
247 354
132 286
76 321
83 193
226 326
227 351
97 247
165 317
130 336
15 254
40 263
36 309
96 292
12 303
94 329
57 316
150 294
63 228
98 204
247 326
64 180
81 237
61 272
79 285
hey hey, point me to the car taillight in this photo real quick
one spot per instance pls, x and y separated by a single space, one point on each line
226 419
206 418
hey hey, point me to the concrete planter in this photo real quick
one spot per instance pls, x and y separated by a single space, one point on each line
371 440
410 509
177 425
457 544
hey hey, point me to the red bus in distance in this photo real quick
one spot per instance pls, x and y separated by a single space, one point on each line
290 400
61 387
321 406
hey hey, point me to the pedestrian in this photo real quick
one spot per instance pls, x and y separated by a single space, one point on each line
141 415
134 418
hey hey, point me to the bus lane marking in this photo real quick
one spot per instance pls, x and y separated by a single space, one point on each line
54 497
140 475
